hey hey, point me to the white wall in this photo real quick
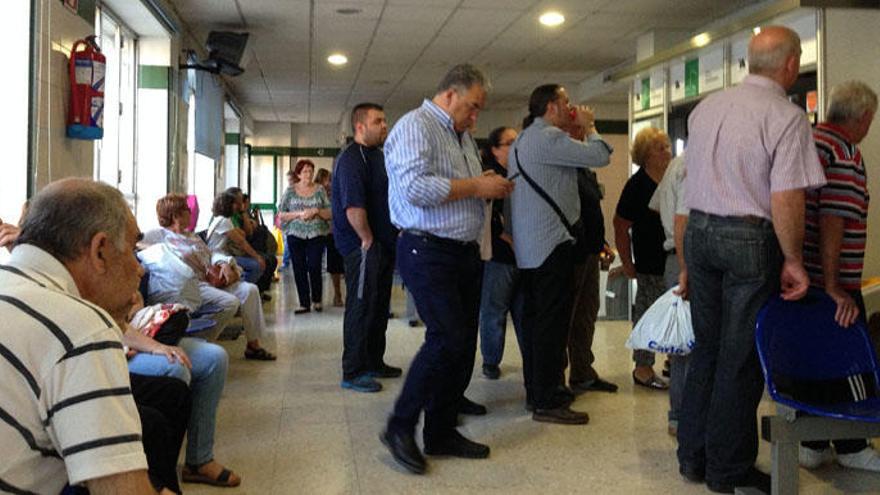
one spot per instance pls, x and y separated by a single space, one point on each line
852 51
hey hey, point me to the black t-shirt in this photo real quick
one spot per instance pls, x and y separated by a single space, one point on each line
360 180
647 230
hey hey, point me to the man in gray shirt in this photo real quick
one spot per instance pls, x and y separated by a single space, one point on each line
543 211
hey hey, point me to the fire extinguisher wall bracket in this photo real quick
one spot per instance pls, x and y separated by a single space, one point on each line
86 69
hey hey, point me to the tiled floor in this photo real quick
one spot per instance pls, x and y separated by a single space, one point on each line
288 428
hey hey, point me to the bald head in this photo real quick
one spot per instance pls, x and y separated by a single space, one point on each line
773 52
65 216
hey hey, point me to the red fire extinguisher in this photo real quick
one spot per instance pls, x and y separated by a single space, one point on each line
86 67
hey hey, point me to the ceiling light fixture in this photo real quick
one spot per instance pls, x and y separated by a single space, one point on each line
551 19
757 30
701 39
349 11
337 59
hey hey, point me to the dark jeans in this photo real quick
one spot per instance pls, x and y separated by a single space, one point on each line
164 408
251 268
547 291
444 277
500 294
678 365
368 282
733 268
852 445
307 255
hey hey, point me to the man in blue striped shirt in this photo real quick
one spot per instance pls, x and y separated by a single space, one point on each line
437 198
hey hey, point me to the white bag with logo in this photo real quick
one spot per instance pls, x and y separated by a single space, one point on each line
665 327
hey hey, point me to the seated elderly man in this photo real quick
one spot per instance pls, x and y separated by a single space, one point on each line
184 270
67 410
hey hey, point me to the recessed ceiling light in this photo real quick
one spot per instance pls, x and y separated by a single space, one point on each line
349 11
701 39
551 19
757 30
337 59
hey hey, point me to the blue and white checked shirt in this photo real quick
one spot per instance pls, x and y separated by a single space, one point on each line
423 153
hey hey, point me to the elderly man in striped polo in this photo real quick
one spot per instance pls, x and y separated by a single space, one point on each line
66 410
834 244
437 198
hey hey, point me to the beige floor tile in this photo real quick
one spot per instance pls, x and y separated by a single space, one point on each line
288 428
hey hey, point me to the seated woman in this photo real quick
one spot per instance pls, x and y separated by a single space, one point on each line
225 237
199 364
214 276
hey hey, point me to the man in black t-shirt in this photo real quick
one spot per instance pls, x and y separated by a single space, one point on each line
365 238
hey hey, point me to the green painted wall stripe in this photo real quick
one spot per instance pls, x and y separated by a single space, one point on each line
153 77
289 151
233 138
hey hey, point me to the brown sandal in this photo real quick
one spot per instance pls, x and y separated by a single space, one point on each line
191 474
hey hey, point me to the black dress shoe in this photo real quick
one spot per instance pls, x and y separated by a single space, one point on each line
692 473
561 416
404 450
386 372
754 479
471 408
597 385
491 371
456 445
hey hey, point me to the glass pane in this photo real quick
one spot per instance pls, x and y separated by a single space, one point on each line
262 179
203 174
107 149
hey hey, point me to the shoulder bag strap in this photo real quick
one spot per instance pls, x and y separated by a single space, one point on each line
546 197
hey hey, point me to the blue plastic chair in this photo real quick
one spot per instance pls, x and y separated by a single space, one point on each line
800 342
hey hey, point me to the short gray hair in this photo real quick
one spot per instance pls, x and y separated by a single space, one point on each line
849 101
462 77
65 216
765 59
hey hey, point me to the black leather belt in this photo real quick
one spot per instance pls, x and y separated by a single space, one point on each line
438 239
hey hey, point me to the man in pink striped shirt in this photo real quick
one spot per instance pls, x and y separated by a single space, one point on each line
750 158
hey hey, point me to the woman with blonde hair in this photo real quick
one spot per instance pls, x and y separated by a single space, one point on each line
639 235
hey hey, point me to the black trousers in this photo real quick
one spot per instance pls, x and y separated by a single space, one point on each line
444 277
368 281
547 306
306 255
164 407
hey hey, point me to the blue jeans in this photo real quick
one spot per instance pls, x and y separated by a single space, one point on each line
444 277
500 294
206 379
251 268
733 266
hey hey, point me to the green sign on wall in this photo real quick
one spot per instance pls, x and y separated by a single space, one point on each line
646 93
692 78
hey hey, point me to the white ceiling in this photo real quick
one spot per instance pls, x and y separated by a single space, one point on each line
399 49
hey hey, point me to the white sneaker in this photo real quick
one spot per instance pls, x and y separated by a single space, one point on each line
811 459
866 459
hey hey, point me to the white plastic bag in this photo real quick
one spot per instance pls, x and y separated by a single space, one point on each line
665 327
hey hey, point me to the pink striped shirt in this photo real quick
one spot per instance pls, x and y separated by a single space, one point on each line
744 144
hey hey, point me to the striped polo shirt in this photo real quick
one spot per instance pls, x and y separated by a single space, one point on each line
66 410
845 195
423 153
